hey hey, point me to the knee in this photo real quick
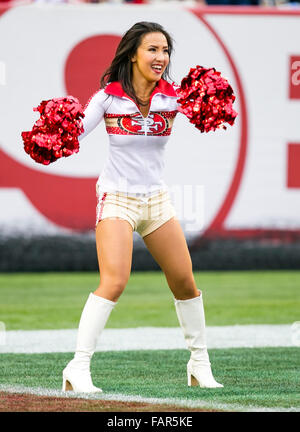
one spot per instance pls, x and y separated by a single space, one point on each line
118 286
185 287
112 288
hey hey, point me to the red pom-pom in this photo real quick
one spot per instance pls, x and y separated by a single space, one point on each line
55 133
206 98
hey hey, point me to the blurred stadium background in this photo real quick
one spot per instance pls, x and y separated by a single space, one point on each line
236 192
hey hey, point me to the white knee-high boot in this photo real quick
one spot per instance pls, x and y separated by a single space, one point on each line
76 375
191 317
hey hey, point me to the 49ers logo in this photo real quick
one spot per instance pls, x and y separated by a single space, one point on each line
154 124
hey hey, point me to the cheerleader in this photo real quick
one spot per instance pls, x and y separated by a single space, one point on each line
138 106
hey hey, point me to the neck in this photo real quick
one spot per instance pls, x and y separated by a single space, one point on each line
143 89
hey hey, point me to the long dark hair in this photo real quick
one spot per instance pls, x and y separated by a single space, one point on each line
121 66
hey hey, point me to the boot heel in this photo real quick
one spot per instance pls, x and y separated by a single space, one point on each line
78 381
199 375
67 386
191 379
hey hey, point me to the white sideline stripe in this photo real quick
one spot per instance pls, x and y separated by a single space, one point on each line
39 391
148 338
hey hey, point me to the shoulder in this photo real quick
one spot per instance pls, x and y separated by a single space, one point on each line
97 98
167 89
114 88
165 97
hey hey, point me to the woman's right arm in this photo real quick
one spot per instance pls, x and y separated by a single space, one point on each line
94 112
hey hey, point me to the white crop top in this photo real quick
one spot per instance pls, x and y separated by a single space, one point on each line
136 144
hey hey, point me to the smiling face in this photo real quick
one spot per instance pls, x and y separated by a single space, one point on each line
151 58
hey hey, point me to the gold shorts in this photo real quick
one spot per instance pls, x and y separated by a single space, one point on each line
144 212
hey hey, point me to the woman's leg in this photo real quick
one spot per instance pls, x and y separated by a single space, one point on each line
114 240
114 249
168 247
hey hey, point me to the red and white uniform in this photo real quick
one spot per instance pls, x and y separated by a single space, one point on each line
136 144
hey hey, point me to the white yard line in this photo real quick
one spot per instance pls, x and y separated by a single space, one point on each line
38 391
147 338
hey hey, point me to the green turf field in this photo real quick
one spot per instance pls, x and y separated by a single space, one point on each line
259 377
252 377
55 300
